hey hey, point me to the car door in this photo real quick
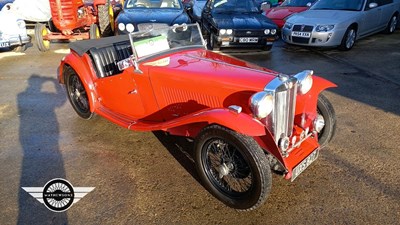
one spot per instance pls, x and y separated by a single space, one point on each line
371 17
120 94
387 12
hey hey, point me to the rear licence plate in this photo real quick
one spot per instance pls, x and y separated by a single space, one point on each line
304 164
248 40
4 44
301 34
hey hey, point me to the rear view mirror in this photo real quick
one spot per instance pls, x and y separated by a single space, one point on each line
373 5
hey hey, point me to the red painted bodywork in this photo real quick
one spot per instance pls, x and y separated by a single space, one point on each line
190 92
278 14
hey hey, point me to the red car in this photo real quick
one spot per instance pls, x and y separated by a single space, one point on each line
280 13
246 121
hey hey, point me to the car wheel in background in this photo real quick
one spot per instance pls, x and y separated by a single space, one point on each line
105 18
212 45
349 39
94 31
267 48
41 32
326 118
232 167
77 93
391 26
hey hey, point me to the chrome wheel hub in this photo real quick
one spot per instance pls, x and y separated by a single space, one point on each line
319 123
224 169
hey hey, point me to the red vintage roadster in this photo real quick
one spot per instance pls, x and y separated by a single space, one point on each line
246 121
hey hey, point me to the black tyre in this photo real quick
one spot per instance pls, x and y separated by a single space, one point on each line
267 48
105 18
327 115
392 25
77 94
232 167
349 39
211 42
94 31
19 48
41 32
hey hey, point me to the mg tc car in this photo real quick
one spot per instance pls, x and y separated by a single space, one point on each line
246 121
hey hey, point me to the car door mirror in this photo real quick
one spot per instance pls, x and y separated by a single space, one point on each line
265 6
188 5
373 5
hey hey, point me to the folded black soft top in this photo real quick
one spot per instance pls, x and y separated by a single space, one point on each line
83 46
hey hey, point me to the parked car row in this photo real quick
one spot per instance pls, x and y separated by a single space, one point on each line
224 23
235 23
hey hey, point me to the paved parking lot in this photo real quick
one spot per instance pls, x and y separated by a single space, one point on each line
149 178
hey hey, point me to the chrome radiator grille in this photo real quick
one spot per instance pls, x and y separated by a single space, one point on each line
281 120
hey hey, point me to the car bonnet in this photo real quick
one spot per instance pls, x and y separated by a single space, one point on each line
323 16
242 21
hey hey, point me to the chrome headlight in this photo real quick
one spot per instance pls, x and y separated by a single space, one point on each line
229 31
267 31
121 26
21 24
324 28
222 31
305 81
261 104
288 25
129 27
273 31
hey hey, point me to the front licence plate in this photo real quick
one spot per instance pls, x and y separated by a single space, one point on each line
301 34
304 164
4 44
248 40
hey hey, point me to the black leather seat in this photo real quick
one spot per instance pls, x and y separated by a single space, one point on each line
106 58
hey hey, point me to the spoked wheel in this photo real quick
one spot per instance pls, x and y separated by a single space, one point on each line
391 27
326 120
41 32
232 167
94 31
77 94
349 39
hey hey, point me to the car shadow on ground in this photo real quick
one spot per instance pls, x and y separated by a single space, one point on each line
39 138
182 149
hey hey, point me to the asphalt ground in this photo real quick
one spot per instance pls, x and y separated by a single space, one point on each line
149 178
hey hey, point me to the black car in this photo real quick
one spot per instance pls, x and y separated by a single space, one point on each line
140 15
237 23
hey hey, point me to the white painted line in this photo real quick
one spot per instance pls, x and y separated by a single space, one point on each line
62 51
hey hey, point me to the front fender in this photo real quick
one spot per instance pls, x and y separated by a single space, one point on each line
191 124
320 84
